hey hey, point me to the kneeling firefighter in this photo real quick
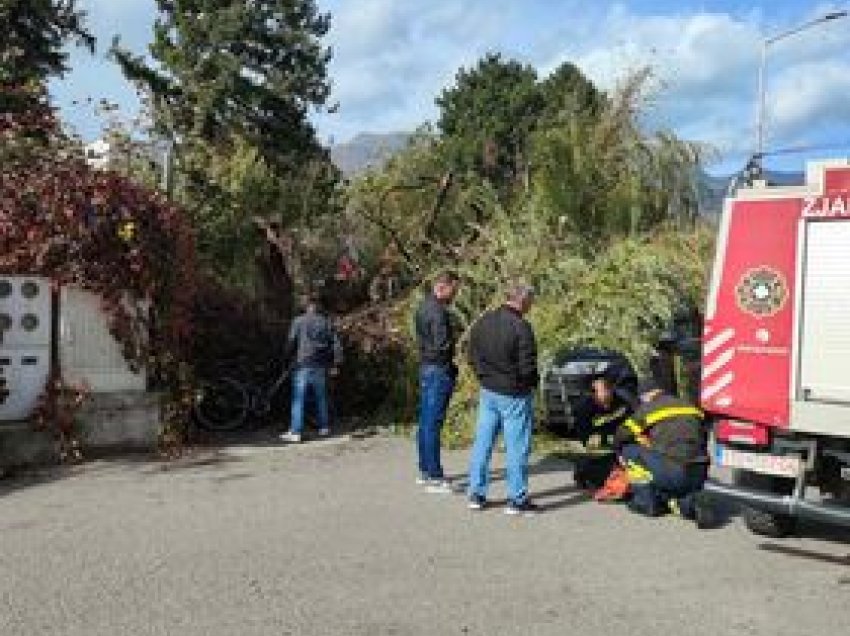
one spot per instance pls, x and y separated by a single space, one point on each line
612 400
663 447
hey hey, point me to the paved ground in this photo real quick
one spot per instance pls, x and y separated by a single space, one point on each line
334 538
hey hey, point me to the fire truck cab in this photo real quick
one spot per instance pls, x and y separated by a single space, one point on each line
776 350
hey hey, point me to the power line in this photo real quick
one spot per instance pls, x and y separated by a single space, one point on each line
794 150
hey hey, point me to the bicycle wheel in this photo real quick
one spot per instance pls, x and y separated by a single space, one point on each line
221 405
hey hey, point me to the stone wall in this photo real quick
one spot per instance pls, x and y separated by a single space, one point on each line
111 422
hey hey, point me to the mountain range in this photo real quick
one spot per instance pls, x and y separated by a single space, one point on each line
713 188
367 150
372 150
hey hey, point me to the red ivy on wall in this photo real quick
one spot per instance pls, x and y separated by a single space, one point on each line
100 231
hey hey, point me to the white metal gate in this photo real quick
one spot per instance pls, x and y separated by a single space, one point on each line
87 351
25 342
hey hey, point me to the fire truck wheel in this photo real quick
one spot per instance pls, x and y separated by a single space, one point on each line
767 524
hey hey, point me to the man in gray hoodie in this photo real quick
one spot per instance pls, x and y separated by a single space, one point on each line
318 351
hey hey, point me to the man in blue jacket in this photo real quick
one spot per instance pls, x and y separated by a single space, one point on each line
318 351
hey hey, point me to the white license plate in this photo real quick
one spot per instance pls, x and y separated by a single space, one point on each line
845 473
779 465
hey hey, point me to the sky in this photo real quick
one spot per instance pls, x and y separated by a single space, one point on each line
391 58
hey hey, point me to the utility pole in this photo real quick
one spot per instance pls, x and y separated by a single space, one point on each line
765 45
168 169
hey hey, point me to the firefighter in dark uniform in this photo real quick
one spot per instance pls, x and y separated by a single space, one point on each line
664 449
612 399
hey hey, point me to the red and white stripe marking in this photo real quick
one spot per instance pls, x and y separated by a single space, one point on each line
717 354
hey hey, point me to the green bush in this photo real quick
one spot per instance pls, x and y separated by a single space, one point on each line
620 298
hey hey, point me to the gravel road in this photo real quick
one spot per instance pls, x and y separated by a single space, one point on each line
334 537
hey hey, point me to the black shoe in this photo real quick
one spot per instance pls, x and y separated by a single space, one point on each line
523 509
705 512
641 507
476 502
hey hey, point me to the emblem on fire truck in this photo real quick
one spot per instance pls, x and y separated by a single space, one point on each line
762 292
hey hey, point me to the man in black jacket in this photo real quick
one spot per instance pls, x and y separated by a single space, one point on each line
437 375
503 353
664 448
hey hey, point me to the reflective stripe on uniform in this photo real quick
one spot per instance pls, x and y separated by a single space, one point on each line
633 426
602 420
638 474
638 428
673 411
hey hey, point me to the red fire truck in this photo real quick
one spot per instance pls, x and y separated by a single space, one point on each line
776 350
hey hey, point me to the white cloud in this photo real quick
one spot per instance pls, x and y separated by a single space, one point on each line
370 27
707 65
392 58
811 92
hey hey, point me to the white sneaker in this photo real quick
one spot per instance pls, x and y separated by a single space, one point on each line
439 487
289 436
324 432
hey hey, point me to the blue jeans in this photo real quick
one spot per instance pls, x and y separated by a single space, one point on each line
305 379
670 481
436 385
514 416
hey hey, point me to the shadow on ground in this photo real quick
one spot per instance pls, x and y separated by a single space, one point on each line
142 464
15 480
266 434
805 554
204 450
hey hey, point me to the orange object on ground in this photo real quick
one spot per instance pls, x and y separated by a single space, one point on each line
615 488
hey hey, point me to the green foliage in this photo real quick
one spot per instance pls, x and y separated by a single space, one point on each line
232 86
407 202
603 176
567 93
35 33
242 185
626 295
487 116
32 48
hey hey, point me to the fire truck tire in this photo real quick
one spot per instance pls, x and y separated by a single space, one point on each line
761 522
768 524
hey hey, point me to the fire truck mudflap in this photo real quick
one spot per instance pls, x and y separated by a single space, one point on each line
776 347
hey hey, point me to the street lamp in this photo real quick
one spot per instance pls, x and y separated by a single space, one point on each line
835 15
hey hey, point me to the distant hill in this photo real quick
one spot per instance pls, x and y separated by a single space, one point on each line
713 189
367 150
373 149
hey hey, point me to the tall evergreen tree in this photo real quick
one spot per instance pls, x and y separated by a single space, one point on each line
232 84
486 116
228 69
567 93
32 47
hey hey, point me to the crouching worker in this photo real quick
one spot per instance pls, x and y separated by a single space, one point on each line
663 447
613 398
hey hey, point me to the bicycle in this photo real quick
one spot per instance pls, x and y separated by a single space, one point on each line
224 403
